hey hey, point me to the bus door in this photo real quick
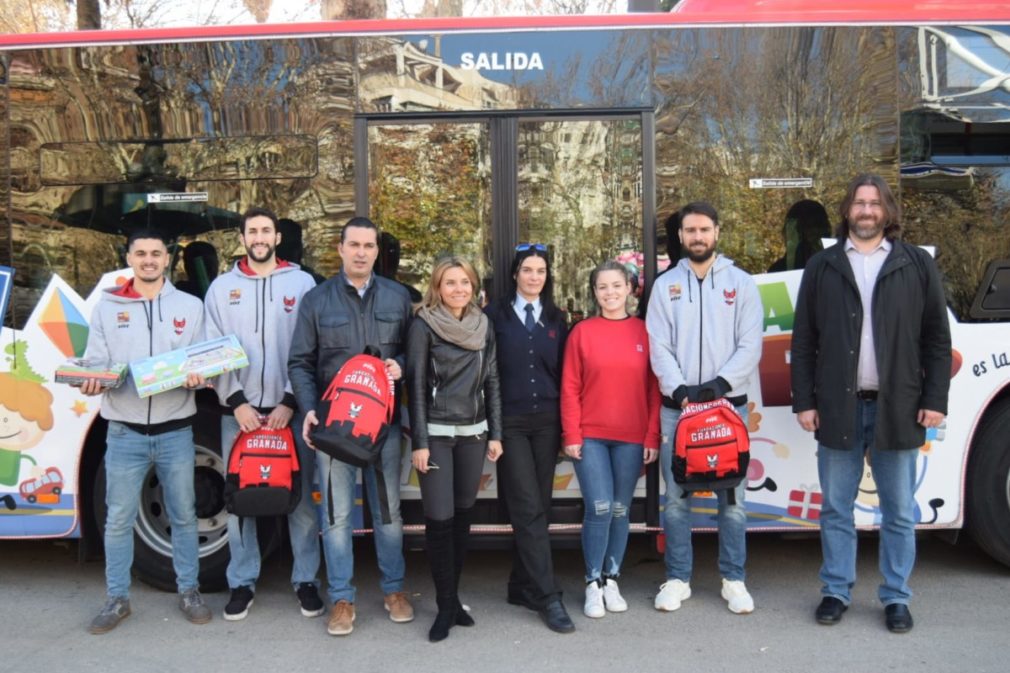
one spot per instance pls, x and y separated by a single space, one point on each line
476 185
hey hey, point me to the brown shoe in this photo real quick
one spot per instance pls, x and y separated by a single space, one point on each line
399 607
341 620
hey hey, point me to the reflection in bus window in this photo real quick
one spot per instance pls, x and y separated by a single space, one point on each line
584 203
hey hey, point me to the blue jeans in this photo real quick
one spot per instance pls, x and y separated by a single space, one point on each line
840 472
607 472
128 457
732 519
338 479
303 523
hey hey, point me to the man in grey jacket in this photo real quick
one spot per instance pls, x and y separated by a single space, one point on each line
705 324
337 319
258 302
144 317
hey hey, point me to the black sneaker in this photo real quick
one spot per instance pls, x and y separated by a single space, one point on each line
308 598
239 604
116 610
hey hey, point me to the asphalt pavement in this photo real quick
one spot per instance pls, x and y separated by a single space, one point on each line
48 598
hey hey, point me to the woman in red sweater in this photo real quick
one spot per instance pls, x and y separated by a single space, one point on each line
610 424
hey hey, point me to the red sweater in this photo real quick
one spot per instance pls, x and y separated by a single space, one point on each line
608 390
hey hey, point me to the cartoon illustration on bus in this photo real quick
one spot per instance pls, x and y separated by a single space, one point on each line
44 489
25 417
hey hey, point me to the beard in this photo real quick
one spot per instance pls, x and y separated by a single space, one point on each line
270 252
704 255
867 229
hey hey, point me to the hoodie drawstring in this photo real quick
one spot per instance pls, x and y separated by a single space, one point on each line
256 301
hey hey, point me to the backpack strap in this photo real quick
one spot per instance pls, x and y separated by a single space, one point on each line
329 492
380 482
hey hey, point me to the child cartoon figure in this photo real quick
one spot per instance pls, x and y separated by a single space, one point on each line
25 417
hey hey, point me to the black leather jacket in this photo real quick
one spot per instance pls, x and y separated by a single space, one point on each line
334 324
450 385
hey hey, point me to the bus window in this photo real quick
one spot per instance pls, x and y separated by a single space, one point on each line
430 188
573 177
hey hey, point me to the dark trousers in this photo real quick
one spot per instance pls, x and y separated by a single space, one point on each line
526 484
454 485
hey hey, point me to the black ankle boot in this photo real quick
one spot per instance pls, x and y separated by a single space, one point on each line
460 542
438 536
443 622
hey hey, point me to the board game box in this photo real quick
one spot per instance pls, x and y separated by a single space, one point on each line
76 371
168 371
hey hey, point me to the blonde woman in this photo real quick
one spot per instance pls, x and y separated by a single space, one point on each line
455 414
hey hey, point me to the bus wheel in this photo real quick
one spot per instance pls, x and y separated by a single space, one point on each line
988 488
152 554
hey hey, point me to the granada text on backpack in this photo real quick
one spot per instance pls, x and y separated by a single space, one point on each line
263 477
711 448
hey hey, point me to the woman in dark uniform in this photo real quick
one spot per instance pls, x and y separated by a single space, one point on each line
530 333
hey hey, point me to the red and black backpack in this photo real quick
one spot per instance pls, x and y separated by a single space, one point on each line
263 477
354 417
711 448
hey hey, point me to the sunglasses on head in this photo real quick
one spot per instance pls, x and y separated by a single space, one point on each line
523 247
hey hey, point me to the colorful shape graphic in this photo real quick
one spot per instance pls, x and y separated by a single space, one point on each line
64 325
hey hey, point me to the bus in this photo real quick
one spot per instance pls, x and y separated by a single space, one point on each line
471 135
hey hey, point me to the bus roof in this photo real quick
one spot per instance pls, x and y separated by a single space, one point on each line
687 13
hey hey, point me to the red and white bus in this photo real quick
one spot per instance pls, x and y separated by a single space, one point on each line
470 135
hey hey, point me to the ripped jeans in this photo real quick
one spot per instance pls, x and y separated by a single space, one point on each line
608 473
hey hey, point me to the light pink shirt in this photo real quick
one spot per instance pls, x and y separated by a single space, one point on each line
866 267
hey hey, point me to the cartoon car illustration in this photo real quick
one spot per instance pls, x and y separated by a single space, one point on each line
46 488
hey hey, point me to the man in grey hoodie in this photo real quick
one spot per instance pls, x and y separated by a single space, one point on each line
258 302
705 324
144 317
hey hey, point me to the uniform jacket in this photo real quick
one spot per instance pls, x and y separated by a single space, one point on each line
450 385
911 337
700 331
261 311
126 327
334 324
521 354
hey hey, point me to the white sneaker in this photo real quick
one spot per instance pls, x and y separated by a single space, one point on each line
735 593
670 595
612 598
594 601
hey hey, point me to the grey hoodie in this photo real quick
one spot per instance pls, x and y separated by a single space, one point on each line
261 311
126 327
702 330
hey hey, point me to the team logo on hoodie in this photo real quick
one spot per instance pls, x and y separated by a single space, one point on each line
122 319
675 292
180 325
234 296
729 296
289 304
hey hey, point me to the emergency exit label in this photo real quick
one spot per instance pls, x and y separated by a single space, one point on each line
176 197
781 183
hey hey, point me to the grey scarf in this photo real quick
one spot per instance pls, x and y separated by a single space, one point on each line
468 332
